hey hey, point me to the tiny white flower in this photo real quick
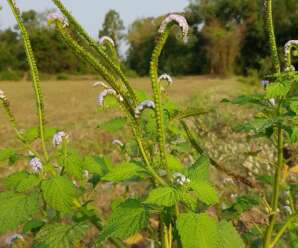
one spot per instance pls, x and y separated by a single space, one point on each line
181 21
59 137
59 17
228 180
142 106
289 45
234 196
180 178
287 209
265 83
103 94
35 164
100 83
86 174
117 142
11 239
2 95
104 39
290 68
166 77
272 101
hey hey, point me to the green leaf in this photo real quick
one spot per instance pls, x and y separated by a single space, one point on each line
16 209
163 196
246 99
200 170
294 135
31 134
205 191
60 235
276 90
73 164
124 171
197 231
33 225
95 165
10 155
228 236
174 163
114 125
127 219
294 107
59 193
21 181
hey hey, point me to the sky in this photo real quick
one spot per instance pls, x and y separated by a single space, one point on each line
91 13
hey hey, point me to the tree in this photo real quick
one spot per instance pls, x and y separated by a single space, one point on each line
113 27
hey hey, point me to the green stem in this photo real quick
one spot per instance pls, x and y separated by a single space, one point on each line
276 186
269 26
283 229
157 96
34 74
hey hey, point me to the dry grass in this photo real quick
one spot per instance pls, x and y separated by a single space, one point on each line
71 105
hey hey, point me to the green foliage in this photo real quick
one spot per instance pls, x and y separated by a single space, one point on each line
202 231
72 163
124 171
15 209
21 181
96 165
59 193
163 196
114 125
127 219
60 235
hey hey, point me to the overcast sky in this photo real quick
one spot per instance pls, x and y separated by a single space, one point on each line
91 12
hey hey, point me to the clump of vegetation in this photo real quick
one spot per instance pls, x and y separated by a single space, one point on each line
53 200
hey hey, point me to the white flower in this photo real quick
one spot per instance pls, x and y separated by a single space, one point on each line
181 22
59 17
180 178
289 45
100 83
142 106
103 94
166 77
104 39
272 101
59 137
35 164
290 68
86 174
2 95
287 209
117 142
264 83
11 239
228 180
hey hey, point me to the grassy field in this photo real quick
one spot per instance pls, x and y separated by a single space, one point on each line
71 105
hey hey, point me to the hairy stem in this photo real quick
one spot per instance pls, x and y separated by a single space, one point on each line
157 97
78 28
34 74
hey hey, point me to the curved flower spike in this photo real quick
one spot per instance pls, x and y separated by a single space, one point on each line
56 16
178 19
59 137
100 83
166 77
35 164
103 94
117 142
11 239
288 47
142 106
104 39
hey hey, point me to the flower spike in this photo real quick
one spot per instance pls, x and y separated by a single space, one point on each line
117 142
59 137
35 164
142 106
288 47
100 83
104 39
56 16
178 19
102 95
166 77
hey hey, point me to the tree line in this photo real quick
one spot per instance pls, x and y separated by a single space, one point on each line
227 37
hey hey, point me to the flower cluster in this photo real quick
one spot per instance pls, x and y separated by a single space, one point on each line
117 142
166 77
104 39
181 22
100 83
180 179
59 137
265 83
103 94
35 164
288 46
11 239
56 16
142 106
2 95
16 7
